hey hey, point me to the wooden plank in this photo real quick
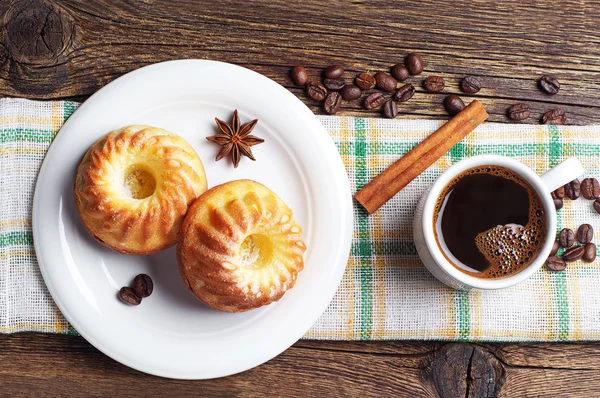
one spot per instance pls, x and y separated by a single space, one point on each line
67 365
88 44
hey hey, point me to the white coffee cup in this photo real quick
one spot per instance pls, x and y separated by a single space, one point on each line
424 234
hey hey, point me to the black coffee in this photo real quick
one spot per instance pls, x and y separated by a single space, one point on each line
490 221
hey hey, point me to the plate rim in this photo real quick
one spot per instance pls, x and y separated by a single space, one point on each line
339 267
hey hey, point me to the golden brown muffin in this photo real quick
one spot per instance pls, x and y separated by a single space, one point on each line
134 186
240 247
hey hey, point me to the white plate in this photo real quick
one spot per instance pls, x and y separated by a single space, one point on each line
172 334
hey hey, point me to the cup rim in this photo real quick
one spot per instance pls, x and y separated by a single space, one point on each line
536 183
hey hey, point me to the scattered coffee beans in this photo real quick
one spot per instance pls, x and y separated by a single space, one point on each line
453 104
573 189
566 238
390 109
589 253
365 81
128 296
385 82
333 102
559 193
519 112
142 286
590 188
555 116
434 83
316 91
399 72
558 203
404 93
299 75
585 233
555 248
573 254
333 72
374 101
470 85
549 84
334 84
556 264
414 63
350 92
597 206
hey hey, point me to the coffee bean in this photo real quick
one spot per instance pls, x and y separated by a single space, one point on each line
585 233
573 189
573 254
434 83
404 93
589 253
316 91
350 92
414 63
365 81
299 75
549 84
400 72
374 101
470 85
453 104
127 295
390 109
590 188
559 193
333 72
334 84
597 205
556 264
555 248
142 285
566 238
333 102
519 112
555 117
385 82
558 203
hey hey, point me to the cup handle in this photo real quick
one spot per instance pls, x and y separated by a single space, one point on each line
562 173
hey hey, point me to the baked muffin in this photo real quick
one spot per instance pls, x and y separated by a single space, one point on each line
240 247
134 186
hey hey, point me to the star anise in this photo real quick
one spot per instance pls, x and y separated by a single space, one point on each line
235 139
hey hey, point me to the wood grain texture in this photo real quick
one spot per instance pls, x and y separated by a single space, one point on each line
55 365
71 48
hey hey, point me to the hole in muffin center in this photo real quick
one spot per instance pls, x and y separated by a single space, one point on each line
139 183
256 251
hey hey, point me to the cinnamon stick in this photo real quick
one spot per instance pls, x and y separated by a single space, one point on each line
407 168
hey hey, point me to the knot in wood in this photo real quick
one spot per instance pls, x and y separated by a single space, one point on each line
464 370
36 32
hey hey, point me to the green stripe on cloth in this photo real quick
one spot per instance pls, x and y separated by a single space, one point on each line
392 248
463 317
20 134
68 109
16 238
561 301
393 148
364 249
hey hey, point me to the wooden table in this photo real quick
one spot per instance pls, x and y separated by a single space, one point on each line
71 48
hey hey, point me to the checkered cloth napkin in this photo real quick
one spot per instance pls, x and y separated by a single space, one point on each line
386 292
